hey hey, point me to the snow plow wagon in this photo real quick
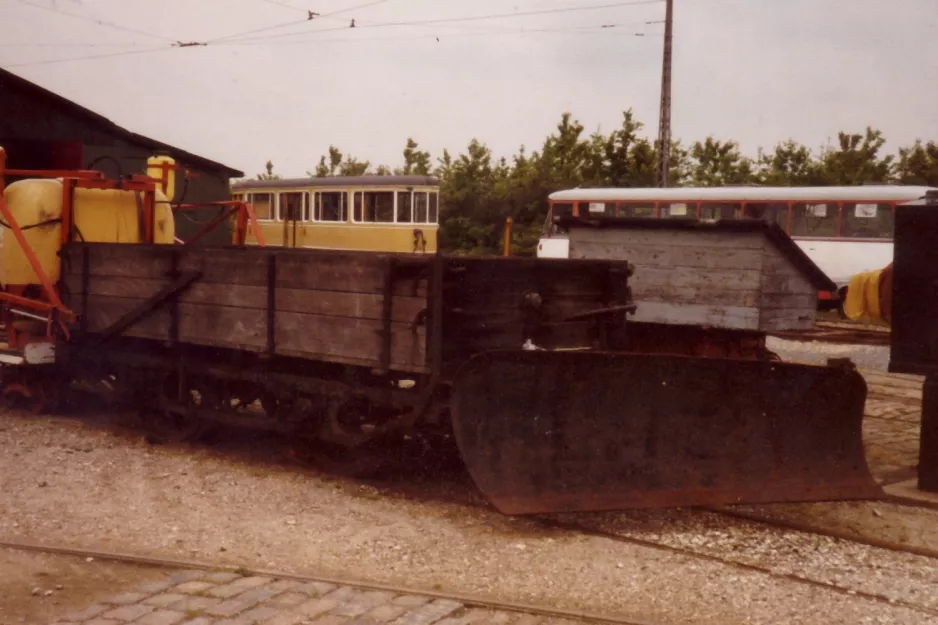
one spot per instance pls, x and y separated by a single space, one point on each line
590 383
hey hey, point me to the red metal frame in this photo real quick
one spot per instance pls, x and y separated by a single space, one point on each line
49 303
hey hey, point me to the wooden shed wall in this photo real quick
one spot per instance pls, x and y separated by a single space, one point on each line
725 279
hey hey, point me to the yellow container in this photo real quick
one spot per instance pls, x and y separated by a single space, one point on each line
32 202
100 215
110 216
155 170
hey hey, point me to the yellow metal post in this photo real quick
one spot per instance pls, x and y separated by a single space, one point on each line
506 246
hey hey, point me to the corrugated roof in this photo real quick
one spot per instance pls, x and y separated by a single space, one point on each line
108 126
339 181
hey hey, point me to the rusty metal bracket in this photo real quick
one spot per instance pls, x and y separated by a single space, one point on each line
147 307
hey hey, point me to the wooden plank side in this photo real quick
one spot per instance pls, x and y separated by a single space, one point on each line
328 303
359 339
312 336
789 299
736 318
348 273
104 311
119 260
663 255
671 238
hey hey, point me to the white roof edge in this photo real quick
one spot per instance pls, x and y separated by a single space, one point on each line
881 193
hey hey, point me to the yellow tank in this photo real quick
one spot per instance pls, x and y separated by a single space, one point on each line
32 202
155 170
101 216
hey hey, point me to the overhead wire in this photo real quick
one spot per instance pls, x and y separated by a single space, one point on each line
94 20
311 16
585 30
453 20
90 57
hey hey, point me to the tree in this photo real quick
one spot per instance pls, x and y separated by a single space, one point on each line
715 163
339 165
269 175
416 161
789 165
918 164
856 160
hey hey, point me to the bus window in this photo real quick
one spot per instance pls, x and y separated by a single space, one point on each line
677 210
636 209
867 221
330 206
721 210
404 207
773 213
596 209
561 209
263 205
293 207
814 219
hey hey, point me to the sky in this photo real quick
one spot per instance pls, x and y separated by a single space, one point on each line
273 85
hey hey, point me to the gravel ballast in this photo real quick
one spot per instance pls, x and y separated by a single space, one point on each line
69 483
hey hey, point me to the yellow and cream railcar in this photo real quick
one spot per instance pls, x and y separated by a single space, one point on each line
366 213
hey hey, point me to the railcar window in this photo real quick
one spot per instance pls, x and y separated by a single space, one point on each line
597 209
677 210
331 206
814 219
636 209
434 208
867 221
404 207
293 206
721 210
772 212
263 205
421 207
374 206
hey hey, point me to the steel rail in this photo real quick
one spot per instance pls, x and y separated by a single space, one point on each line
471 601
755 568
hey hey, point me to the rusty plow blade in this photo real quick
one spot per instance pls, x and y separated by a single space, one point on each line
579 431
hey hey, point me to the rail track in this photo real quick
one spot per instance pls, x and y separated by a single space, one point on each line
744 566
840 332
186 564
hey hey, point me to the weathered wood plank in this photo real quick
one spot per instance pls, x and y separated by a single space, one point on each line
119 260
326 303
671 238
737 318
360 339
708 280
662 255
246 329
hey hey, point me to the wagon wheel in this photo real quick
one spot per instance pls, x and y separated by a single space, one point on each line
338 444
18 396
174 423
357 462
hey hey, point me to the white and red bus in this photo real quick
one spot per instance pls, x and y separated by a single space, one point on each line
844 230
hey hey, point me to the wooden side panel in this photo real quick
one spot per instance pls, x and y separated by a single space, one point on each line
327 306
484 302
685 277
789 300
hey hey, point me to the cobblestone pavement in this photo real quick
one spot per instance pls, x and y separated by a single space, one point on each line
207 598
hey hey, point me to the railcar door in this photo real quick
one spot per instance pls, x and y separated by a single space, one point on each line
294 213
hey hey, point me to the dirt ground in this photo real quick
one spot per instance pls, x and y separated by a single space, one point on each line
83 483
38 588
